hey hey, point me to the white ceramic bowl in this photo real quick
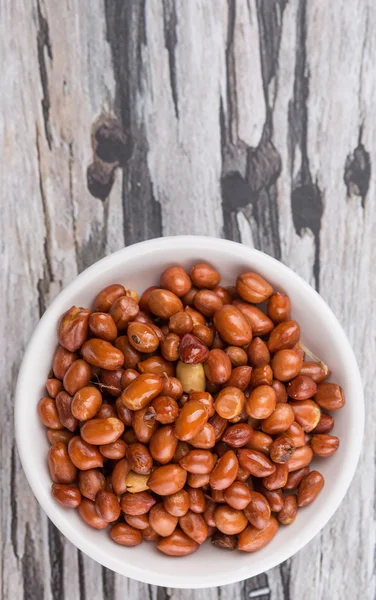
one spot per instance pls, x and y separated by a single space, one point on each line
138 267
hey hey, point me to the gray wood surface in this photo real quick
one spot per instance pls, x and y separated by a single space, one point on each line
123 120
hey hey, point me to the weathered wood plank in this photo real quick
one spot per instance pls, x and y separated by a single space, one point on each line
247 119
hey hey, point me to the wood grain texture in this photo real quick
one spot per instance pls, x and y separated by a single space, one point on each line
246 119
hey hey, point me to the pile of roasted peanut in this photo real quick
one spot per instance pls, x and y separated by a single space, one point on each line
187 413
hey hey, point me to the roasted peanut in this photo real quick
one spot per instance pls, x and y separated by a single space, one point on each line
287 514
260 323
100 353
139 458
162 521
192 350
207 302
177 504
191 419
143 428
219 425
66 495
103 326
166 409
316 371
176 280
229 402
170 347
62 469
301 388
225 471
324 445
229 520
295 477
113 451
217 366
281 450
138 503
171 386
90 482
77 376
205 276
286 364
59 435
307 414
167 480
221 540
296 434
149 534
240 377
198 461
262 376
280 390
164 303
237 435
205 438
163 444
48 413
256 462
86 403
53 387
301 458
73 328
84 455
237 355
274 498
193 525
131 356
330 396
126 378
180 323
196 480
278 479
137 521
88 512
237 495
106 411
258 353
232 325
280 420
261 402
61 361
325 425
177 544
107 297
64 410
258 510
253 288
260 441
224 294
284 336
102 431
279 308
124 310
107 506
309 488
125 535
142 391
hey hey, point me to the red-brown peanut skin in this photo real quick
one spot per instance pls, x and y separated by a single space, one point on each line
232 326
163 444
66 495
137 521
196 480
240 377
107 506
61 361
53 387
77 376
284 336
191 419
301 458
73 328
237 495
330 396
258 510
199 462
164 303
113 451
278 479
166 409
90 482
157 365
162 521
63 406
218 366
309 488
106 297
323 444
167 480
207 302
88 512
237 355
84 455
62 470
237 435
296 434
288 513
177 504
301 388
260 323
225 471
197 501
205 438
253 288
204 276
325 425
142 391
136 504
229 520
194 526
286 364
102 354
102 431
103 326
119 475
307 414
59 435
274 497
176 280
177 544
261 402
142 428
295 477
253 539
86 403
125 535
48 414
279 307
280 420
229 402
260 441
256 462
316 371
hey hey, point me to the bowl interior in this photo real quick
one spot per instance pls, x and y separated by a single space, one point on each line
138 267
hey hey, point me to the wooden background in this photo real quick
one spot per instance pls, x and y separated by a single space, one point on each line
123 120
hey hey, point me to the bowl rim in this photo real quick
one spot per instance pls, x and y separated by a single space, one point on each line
219 578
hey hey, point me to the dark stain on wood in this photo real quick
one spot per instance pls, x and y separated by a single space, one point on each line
169 24
81 575
357 173
56 554
306 196
112 145
126 34
108 583
256 584
100 177
32 572
285 571
44 44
